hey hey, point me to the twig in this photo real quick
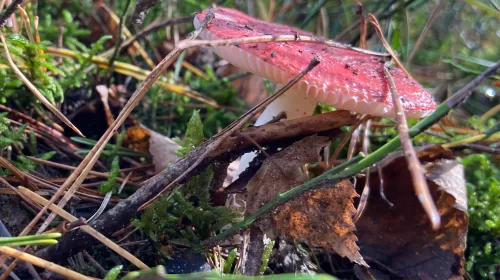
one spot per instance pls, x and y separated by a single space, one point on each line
346 138
94 262
34 90
416 169
42 263
363 200
97 235
11 9
427 26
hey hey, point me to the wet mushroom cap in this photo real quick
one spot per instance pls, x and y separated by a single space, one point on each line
345 79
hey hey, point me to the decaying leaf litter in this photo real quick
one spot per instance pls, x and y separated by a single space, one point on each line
273 142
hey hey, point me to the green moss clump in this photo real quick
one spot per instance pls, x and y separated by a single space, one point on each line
483 187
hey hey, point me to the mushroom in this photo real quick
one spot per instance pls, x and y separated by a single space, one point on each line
346 79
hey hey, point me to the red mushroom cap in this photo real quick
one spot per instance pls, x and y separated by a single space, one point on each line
344 78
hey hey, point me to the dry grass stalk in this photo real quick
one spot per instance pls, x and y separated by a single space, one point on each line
18 173
185 44
97 235
70 274
426 29
386 45
67 167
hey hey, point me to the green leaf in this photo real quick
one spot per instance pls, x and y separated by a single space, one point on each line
194 135
113 273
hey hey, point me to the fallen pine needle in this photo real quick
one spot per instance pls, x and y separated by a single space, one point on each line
42 263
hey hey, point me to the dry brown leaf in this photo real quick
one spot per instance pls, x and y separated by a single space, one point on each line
399 241
322 218
278 174
283 171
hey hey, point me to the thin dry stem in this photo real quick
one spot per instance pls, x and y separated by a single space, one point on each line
346 138
490 113
67 167
27 24
16 172
365 148
97 235
275 38
42 263
364 27
34 90
416 170
380 34
427 26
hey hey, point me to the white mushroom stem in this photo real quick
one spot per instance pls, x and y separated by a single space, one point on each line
295 103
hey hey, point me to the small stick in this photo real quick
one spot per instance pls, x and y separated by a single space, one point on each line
5 14
346 138
94 262
416 170
363 201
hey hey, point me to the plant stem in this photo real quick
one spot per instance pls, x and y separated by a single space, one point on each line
119 40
